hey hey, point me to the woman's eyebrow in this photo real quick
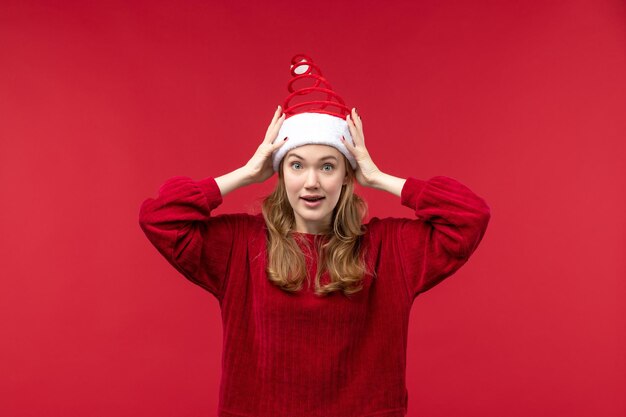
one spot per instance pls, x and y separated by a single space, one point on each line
295 155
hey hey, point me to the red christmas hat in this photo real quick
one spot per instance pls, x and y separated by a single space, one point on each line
314 114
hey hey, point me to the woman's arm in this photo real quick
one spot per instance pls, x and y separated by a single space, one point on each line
388 183
179 222
450 220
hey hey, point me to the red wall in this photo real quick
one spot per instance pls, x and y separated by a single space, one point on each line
101 102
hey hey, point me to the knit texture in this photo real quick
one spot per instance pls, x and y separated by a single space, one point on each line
288 355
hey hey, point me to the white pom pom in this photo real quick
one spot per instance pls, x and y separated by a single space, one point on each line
302 69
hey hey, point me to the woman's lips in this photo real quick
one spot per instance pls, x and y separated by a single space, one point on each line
312 203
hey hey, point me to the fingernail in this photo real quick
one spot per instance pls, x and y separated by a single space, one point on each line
343 139
285 138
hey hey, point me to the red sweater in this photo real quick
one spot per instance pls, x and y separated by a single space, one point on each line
292 355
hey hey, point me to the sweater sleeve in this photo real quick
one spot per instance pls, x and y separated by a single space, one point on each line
451 221
179 224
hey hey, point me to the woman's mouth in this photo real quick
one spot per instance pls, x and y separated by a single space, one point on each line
312 201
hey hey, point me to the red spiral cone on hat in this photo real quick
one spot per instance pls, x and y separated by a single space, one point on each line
304 69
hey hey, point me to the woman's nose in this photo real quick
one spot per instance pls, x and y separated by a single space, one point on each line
311 179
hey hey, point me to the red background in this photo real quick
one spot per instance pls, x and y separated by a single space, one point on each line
522 101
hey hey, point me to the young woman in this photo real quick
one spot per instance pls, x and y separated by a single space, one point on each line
336 346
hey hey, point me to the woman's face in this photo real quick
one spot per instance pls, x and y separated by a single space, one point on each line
314 176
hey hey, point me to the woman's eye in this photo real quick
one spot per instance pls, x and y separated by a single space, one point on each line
327 167
296 165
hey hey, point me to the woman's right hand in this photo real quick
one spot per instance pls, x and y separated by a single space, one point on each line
259 167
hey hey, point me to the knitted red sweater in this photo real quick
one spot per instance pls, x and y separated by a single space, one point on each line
290 355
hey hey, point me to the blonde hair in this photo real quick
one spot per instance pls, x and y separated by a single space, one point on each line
340 254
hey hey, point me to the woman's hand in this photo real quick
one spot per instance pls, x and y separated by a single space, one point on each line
259 167
367 172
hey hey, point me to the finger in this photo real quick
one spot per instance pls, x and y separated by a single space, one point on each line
351 126
268 132
349 146
357 119
277 112
277 125
278 144
274 127
276 115
356 136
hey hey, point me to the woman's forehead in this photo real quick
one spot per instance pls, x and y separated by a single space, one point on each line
315 152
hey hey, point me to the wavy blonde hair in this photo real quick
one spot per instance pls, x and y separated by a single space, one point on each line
340 252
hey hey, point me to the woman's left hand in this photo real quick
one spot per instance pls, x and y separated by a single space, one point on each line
367 172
